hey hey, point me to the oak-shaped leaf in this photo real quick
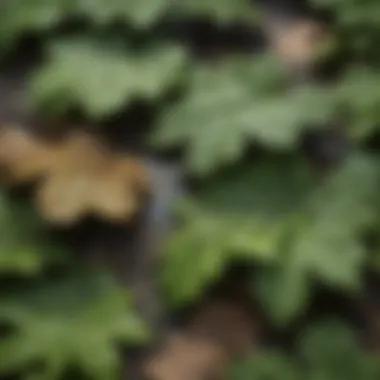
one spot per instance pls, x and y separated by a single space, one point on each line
232 104
76 322
76 176
101 79
327 242
90 179
300 228
246 213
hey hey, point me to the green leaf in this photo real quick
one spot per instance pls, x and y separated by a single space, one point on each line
326 342
283 291
359 96
221 10
270 365
275 213
340 211
352 13
23 16
245 213
327 243
75 322
357 25
102 80
326 350
18 17
232 104
24 247
142 13
331 351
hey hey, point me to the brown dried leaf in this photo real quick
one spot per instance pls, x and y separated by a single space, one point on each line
186 357
220 331
296 43
22 156
61 199
228 323
77 176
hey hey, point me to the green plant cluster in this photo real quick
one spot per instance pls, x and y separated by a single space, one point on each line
274 210
52 324
327 350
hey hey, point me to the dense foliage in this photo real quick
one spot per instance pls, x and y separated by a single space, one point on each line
300 226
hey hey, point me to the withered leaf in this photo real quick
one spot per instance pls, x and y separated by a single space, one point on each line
228 323
75 177
297 43
185 357
23 158
220 331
